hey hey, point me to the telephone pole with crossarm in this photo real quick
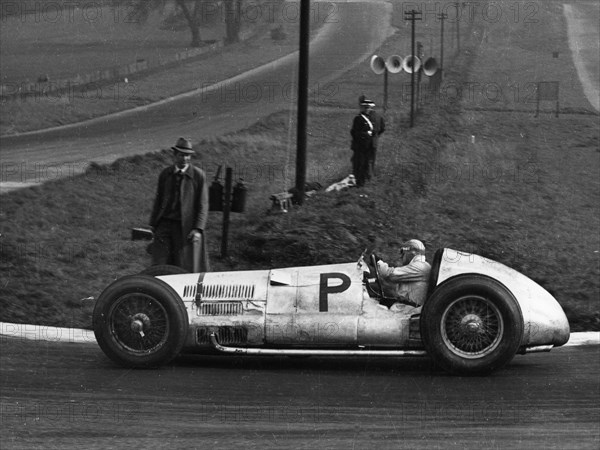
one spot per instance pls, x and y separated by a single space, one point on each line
412 15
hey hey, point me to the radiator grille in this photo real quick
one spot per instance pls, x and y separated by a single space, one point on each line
220 308
228 292
189 291
225 335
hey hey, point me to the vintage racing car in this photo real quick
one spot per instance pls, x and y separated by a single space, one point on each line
477 316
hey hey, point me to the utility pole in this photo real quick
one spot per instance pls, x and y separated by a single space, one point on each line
420 56
385 89
442 17
458 16
412 15
302 101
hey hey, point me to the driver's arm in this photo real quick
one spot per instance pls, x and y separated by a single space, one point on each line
399 274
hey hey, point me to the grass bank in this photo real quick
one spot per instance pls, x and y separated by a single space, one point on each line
486 178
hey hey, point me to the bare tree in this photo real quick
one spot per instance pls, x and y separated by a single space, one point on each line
192 11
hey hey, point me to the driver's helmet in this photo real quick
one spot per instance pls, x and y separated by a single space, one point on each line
414 245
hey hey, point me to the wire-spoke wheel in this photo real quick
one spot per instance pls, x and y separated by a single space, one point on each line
471 324
140 321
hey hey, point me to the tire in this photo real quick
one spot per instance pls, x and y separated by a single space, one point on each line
140 322
471 324
162 269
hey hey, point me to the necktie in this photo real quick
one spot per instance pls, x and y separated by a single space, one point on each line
177 187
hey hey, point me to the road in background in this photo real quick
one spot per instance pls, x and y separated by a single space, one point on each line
350 36
583 23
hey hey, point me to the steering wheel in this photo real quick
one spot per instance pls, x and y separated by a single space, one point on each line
374 260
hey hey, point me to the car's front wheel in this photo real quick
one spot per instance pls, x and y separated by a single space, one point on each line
471 324
140 322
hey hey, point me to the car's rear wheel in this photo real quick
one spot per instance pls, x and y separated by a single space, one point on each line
163 269
140 322
471 324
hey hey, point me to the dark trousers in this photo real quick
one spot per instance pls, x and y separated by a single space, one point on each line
371 170
360 167
168 244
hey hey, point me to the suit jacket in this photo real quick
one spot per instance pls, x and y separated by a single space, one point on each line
194 202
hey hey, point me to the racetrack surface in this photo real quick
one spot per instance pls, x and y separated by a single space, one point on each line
57 395
358 29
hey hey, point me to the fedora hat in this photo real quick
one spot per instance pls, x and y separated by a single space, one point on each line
183 145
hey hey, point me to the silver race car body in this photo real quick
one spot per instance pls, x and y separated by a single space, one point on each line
478 314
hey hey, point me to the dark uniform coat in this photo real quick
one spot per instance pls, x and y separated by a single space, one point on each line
362 141
194 207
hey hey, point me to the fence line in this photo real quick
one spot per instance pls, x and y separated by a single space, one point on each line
81 81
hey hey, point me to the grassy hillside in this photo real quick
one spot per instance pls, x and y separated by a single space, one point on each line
482 176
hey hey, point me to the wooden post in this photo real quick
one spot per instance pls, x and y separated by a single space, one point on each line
226 210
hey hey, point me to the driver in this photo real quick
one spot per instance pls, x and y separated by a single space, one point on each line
407 282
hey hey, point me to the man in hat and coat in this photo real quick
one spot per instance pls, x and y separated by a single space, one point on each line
362 141
180 213
378 128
